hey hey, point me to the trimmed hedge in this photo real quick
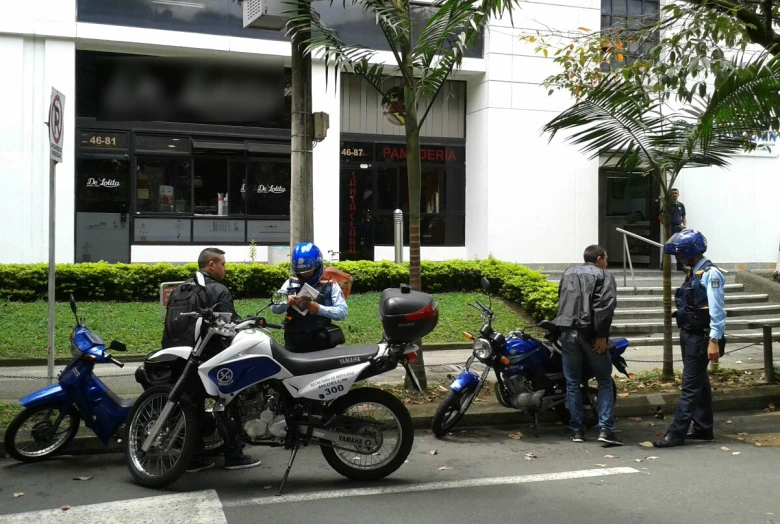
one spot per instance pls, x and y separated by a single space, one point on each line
140 282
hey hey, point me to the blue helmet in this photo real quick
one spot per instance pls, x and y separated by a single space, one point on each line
307 257
686 244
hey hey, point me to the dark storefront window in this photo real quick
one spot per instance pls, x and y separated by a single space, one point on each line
442 202
224 17
163 185
102 208
268 188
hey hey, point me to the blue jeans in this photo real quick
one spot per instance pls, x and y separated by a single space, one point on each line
575 349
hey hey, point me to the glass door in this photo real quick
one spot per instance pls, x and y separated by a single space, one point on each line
102 208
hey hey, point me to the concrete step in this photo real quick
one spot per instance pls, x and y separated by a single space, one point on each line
659 290
625 328
649 301
656 314
656 281
736 339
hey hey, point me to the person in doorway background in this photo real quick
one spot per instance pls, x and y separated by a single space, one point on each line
679 222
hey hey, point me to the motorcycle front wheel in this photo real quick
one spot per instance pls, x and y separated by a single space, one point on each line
35 435
449 411
379 415
170 454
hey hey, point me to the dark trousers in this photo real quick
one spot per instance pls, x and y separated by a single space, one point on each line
695 394
676 228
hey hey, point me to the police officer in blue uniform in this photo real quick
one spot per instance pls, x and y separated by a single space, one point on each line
313 330
702 322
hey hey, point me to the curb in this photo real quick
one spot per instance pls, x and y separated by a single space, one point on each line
492 414
64 361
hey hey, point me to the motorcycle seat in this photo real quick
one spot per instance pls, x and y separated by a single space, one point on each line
324 360
122 403
553 331
554 376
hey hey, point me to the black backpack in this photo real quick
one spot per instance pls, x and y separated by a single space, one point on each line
188 297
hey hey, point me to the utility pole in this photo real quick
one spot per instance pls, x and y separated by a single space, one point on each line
302 131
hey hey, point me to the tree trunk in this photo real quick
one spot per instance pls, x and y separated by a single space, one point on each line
668 361
301 184
413 169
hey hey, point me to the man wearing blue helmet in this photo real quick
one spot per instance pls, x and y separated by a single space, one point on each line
702 322
312 329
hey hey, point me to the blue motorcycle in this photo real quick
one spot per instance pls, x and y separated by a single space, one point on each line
529 374
51 416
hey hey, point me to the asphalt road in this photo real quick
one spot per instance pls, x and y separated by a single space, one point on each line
439 363
476 475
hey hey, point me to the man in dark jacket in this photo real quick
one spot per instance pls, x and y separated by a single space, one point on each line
211 263
586 304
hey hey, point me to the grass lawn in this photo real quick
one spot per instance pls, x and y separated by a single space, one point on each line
138 324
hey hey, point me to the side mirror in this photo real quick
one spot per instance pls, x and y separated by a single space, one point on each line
117 346
72 302
485 284
278 299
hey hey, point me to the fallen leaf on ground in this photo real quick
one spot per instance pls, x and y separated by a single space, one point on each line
602 465
622 395
729 422
724 448
651 458
736 453
407 401
434 452
610 456
267 487
741 438
406 461
635 419
81 478
65 508
771 407
637 460
530 456
429 432
652 424
646 444
738 362
743 433
18 494
443 468
758 444
443 389
516 436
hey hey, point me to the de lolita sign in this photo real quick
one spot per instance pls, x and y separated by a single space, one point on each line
103 182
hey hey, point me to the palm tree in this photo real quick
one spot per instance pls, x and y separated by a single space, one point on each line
639 134
425 55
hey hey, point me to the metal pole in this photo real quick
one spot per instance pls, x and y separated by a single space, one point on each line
398 227
52 205
625 259
769 370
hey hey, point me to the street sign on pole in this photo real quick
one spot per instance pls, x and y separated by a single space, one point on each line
56 125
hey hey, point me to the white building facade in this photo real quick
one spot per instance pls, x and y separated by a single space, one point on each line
142 182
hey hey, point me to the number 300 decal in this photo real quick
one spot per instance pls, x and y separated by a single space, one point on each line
334 389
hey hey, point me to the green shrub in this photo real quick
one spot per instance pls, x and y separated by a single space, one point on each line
141 282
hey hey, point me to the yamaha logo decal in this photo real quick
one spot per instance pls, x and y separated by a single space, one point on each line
225 377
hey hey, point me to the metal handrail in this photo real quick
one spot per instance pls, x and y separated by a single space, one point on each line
628 254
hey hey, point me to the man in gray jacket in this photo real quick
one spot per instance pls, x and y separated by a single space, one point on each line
586 304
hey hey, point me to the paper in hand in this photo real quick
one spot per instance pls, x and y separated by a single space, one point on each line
307 293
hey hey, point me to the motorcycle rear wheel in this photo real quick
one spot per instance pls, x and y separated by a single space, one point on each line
395 426
43 433
591 413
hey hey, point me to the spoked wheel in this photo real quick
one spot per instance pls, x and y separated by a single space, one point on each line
172 450
380 417
35 434
449 411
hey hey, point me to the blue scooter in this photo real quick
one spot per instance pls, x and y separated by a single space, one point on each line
51 416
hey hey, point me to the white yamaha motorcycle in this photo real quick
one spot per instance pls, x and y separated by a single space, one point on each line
279 398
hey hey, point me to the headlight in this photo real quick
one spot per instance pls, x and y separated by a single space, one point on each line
74 351
482 349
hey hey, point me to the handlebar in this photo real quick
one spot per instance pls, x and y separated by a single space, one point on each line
116 362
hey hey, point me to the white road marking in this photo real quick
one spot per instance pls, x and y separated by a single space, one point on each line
432 486
199 507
